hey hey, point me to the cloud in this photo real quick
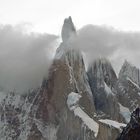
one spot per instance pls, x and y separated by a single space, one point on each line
103 41
24 58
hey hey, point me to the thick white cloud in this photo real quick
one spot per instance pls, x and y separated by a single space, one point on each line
102 41
24 58
47 15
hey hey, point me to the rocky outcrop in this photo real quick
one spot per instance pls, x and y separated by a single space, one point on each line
101 71
103 79
128 70
109 129
128 88
131 131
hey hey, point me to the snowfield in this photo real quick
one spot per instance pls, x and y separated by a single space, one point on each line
113 123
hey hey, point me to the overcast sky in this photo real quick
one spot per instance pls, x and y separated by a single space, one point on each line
47 15
25 58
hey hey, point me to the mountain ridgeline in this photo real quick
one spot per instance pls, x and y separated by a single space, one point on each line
72 103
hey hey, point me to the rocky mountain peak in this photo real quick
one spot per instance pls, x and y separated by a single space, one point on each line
130 71
66 52
102 71
68 29
72 58
66 48
102 80
71 103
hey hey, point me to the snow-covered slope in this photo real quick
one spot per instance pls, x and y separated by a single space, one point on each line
112 123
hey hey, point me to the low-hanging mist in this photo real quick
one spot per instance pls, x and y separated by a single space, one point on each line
102 41
24 58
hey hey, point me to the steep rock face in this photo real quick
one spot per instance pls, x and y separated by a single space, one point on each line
132 130
16 119
43 114
90 127
102 79
101 71
128 88
130 71
109 129
67 74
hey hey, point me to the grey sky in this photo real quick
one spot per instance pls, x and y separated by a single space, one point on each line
25 58
103 41
47 15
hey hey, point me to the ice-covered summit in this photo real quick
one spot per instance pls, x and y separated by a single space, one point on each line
68 29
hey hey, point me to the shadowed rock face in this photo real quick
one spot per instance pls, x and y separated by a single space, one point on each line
102 79
128 70
132 130
127 86
102 71
107 132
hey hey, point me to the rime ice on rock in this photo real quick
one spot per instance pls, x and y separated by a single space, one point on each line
102 70
128 70
68 29
102 80
73 99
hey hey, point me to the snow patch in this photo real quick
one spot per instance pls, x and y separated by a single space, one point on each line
73 99
108 90
113 123
125 112
72 102
89 122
